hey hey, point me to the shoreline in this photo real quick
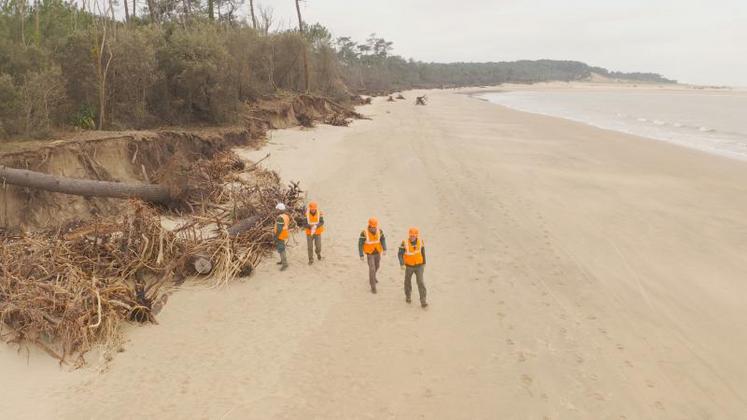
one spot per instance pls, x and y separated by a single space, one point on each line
677 140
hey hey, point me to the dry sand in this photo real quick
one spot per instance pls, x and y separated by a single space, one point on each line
572 273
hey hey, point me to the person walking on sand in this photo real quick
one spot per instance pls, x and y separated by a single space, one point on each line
314 229
412 260
282 226
372 243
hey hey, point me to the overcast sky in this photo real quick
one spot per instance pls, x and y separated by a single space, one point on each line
693 41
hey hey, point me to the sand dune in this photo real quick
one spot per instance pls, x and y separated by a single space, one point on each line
572 273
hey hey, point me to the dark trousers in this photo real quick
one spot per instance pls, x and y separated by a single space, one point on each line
312 242
418 271
374 260
280 245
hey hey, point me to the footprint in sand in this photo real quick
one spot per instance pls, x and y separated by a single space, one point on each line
526 379
620 347
659 405
650 383
510 342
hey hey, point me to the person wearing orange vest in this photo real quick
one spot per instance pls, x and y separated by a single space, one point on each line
372 243
314 229
412 259
282 226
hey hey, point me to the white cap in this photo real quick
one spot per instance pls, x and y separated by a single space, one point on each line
280 207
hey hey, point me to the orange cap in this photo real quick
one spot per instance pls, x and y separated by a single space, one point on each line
313 205
373 222
414 231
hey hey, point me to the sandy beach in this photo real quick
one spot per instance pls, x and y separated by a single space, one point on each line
573 273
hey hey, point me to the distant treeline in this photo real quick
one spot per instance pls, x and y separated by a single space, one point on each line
195 61
369 67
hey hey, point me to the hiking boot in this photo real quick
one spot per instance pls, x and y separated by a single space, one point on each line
279 263
373 290
319 257
408 300
283 268
424 305
311 261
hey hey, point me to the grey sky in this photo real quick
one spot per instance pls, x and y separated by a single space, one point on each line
693 41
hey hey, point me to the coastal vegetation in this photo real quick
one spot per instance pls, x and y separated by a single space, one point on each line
65 65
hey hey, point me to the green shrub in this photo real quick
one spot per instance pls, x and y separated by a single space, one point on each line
132 74
85 118
9 106
42 96
194 63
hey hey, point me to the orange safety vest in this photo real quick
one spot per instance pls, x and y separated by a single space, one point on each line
313 219
373 242
413 254
286 223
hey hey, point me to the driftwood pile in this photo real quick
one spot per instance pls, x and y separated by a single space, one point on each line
421 100
70 289
339 120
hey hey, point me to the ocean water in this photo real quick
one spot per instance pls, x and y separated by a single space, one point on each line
710 121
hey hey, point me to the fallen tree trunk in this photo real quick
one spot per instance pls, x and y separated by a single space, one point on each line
84 187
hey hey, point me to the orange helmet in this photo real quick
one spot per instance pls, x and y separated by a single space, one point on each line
313 205
373 222
414 231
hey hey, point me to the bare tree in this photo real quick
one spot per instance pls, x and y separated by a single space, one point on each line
211 9
254 18
266 19
305 50
103 56
37 30
21 11
227 9
127 11
153 11
187 12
